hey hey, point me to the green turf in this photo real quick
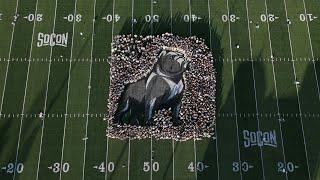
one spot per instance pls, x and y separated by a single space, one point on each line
243 87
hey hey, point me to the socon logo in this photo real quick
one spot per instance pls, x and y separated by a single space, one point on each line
259 138
52 39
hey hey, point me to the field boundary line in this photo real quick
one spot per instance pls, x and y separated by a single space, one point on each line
25 90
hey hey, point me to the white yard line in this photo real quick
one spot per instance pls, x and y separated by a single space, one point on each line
194 138
311 48
172 141
89 94
151 161
234 91
215 125
8 63
129 160
297 91
171 16
173 178
65 121
255 89
129 145
46 98
275 87
25 92
107 150
68 91
235 107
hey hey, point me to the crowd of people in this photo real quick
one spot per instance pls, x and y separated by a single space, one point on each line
133 58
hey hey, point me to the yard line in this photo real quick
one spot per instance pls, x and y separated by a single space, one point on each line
275 86
215 125
25 92
9 57
171 16
234 91
194 138
151 162
129 160
89 93
173 178
255 89
68 90
46 98
129 150
311 48
173 159
297 91
107 150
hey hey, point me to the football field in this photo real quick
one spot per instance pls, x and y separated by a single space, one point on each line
267 58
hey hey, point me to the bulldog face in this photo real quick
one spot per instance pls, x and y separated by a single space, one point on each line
172 63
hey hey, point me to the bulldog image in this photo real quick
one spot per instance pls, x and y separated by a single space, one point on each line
162 88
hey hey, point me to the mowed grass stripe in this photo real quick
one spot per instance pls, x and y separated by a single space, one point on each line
267 103
35 99
294 150
29 138
263 77
15 87
184 151
309 103
258 29
298 30
227 137
118 149
140 149
57 95
244 94
97 143
312 7
308 74
278 30
7 9
284 76
79 88
239 30
206 148
162 149
244 89
305 73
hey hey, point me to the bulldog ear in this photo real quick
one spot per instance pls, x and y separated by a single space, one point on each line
162 53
